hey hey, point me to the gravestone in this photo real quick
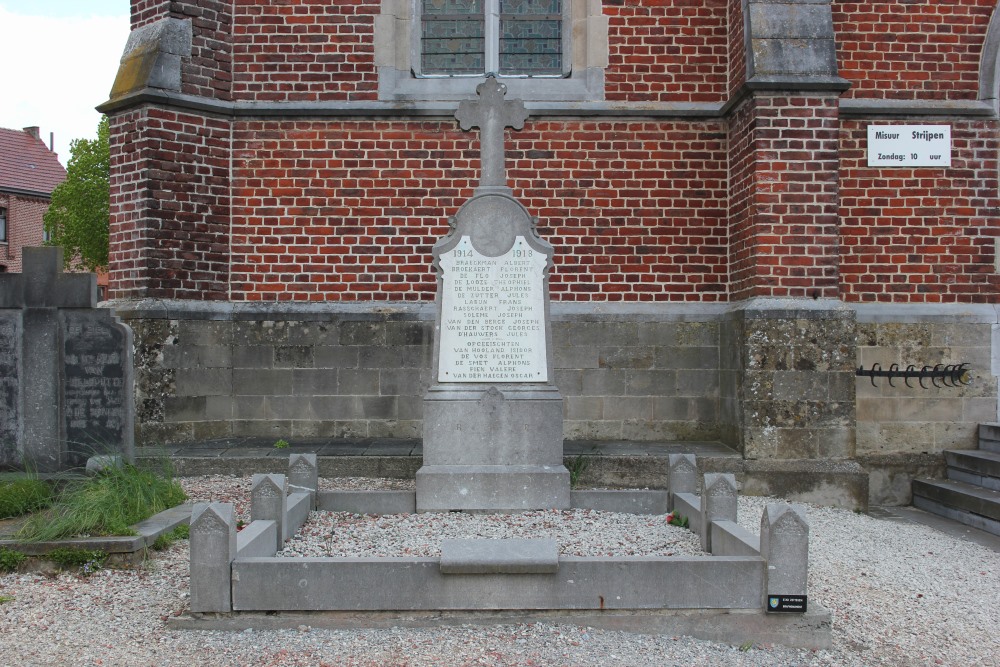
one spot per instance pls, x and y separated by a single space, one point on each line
65 369
493 416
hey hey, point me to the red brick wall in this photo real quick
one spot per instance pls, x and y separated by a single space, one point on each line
784 209
24 227
913 235
911 49
667 50
305 50
170 205
350 210
147 11
638 210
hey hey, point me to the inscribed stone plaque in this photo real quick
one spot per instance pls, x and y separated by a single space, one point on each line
95 391
10 418
493 315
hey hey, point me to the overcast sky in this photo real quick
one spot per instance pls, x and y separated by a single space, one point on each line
59 59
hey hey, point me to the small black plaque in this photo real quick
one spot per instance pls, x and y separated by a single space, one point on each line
787 603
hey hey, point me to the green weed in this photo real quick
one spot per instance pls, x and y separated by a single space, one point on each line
10 560
576 469
88 560
181 532
281 444
107 504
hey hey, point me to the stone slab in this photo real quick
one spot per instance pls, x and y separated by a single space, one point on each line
959 496
509 556
11 419
493 315
812 630
299 504
257 540
688 505
492 488
961 516
98 380
368 502
729 539
373 584
625 501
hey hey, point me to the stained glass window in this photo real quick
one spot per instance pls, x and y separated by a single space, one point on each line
454 37
511 37
530 37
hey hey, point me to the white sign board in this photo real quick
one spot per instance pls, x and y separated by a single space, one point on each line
492 315
909 145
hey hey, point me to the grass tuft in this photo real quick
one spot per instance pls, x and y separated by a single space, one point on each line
107 504
23 496
10 560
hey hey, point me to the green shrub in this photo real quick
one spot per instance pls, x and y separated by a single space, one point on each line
10 560
107 504
23 496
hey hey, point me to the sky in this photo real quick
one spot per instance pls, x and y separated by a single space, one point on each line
59 59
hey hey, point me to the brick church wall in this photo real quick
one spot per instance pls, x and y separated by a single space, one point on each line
304 206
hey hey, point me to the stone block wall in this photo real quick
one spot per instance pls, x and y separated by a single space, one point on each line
333 373
902 420
788 380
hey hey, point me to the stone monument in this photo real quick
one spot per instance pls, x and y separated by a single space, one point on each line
493 431
65 369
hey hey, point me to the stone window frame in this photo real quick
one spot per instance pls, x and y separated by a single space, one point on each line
3 225
397 48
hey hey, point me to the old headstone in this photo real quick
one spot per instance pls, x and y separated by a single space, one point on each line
493 417
65 369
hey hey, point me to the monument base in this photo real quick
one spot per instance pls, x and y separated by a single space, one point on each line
493 448
492 488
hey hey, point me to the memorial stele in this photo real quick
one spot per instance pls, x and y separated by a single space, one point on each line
493 418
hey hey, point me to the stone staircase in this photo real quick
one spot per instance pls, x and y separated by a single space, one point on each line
971 492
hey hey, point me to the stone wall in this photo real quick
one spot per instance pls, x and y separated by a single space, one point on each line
337 372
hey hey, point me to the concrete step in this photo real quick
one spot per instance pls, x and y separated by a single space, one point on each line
989 437
968 518
957 496
974 467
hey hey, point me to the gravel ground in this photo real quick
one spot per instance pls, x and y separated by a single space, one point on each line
901 595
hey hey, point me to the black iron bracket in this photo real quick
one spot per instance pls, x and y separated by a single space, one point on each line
940 375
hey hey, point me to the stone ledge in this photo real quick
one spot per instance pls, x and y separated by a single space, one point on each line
510 556
626 501
126 549
812 630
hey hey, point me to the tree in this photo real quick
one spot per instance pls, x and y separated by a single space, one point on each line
79 214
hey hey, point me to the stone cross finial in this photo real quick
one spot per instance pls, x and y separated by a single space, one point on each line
491 114
42 284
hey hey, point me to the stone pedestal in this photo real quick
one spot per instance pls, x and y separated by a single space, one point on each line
493 449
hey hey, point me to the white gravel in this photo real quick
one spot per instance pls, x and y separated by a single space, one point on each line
901 595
